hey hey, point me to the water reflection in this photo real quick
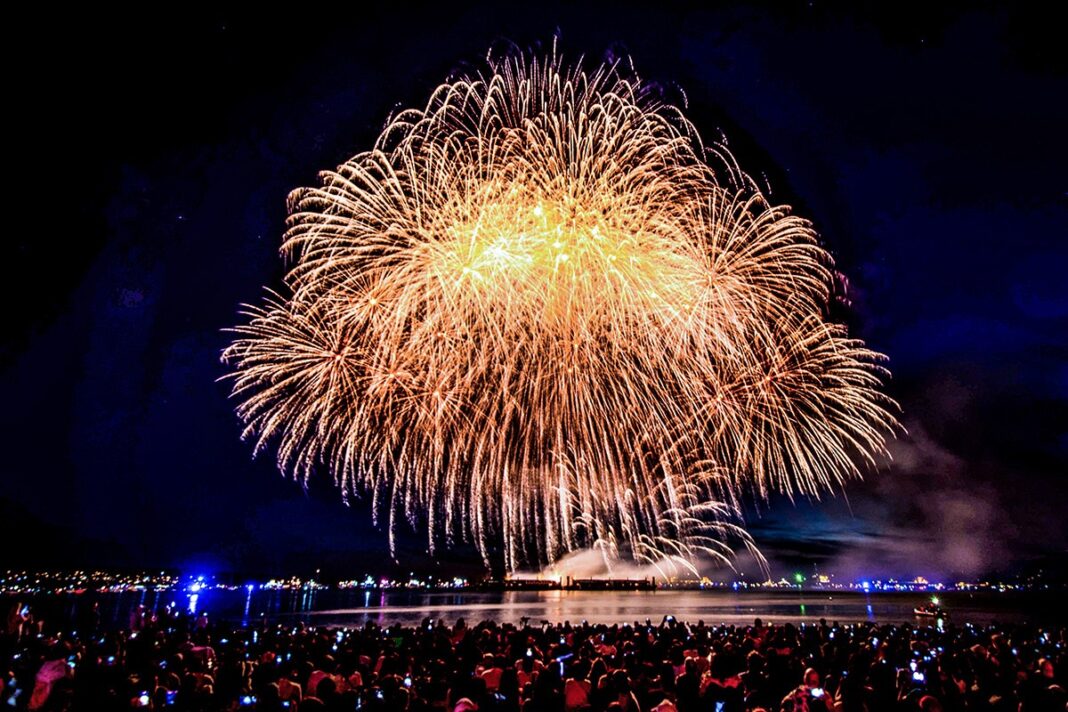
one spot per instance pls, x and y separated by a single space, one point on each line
355 607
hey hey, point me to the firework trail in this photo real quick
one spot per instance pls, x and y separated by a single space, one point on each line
535 317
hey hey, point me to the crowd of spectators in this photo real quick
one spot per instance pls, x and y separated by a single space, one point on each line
172 660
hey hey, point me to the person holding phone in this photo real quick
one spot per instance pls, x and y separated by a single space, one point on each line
809 697
289 689
19 620
721 686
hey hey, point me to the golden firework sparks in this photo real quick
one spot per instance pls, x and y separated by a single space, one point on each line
534 317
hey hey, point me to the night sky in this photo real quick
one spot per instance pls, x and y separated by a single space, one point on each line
150 158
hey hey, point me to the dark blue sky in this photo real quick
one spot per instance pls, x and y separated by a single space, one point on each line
152 157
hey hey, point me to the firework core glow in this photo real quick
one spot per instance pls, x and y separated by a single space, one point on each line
540 315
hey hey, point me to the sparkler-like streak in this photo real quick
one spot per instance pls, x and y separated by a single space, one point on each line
534 317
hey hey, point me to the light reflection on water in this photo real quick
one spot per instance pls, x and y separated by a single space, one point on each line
356 607
619 606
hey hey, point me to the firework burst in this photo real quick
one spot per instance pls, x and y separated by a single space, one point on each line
536 318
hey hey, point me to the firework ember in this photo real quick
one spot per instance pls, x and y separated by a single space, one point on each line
539 315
